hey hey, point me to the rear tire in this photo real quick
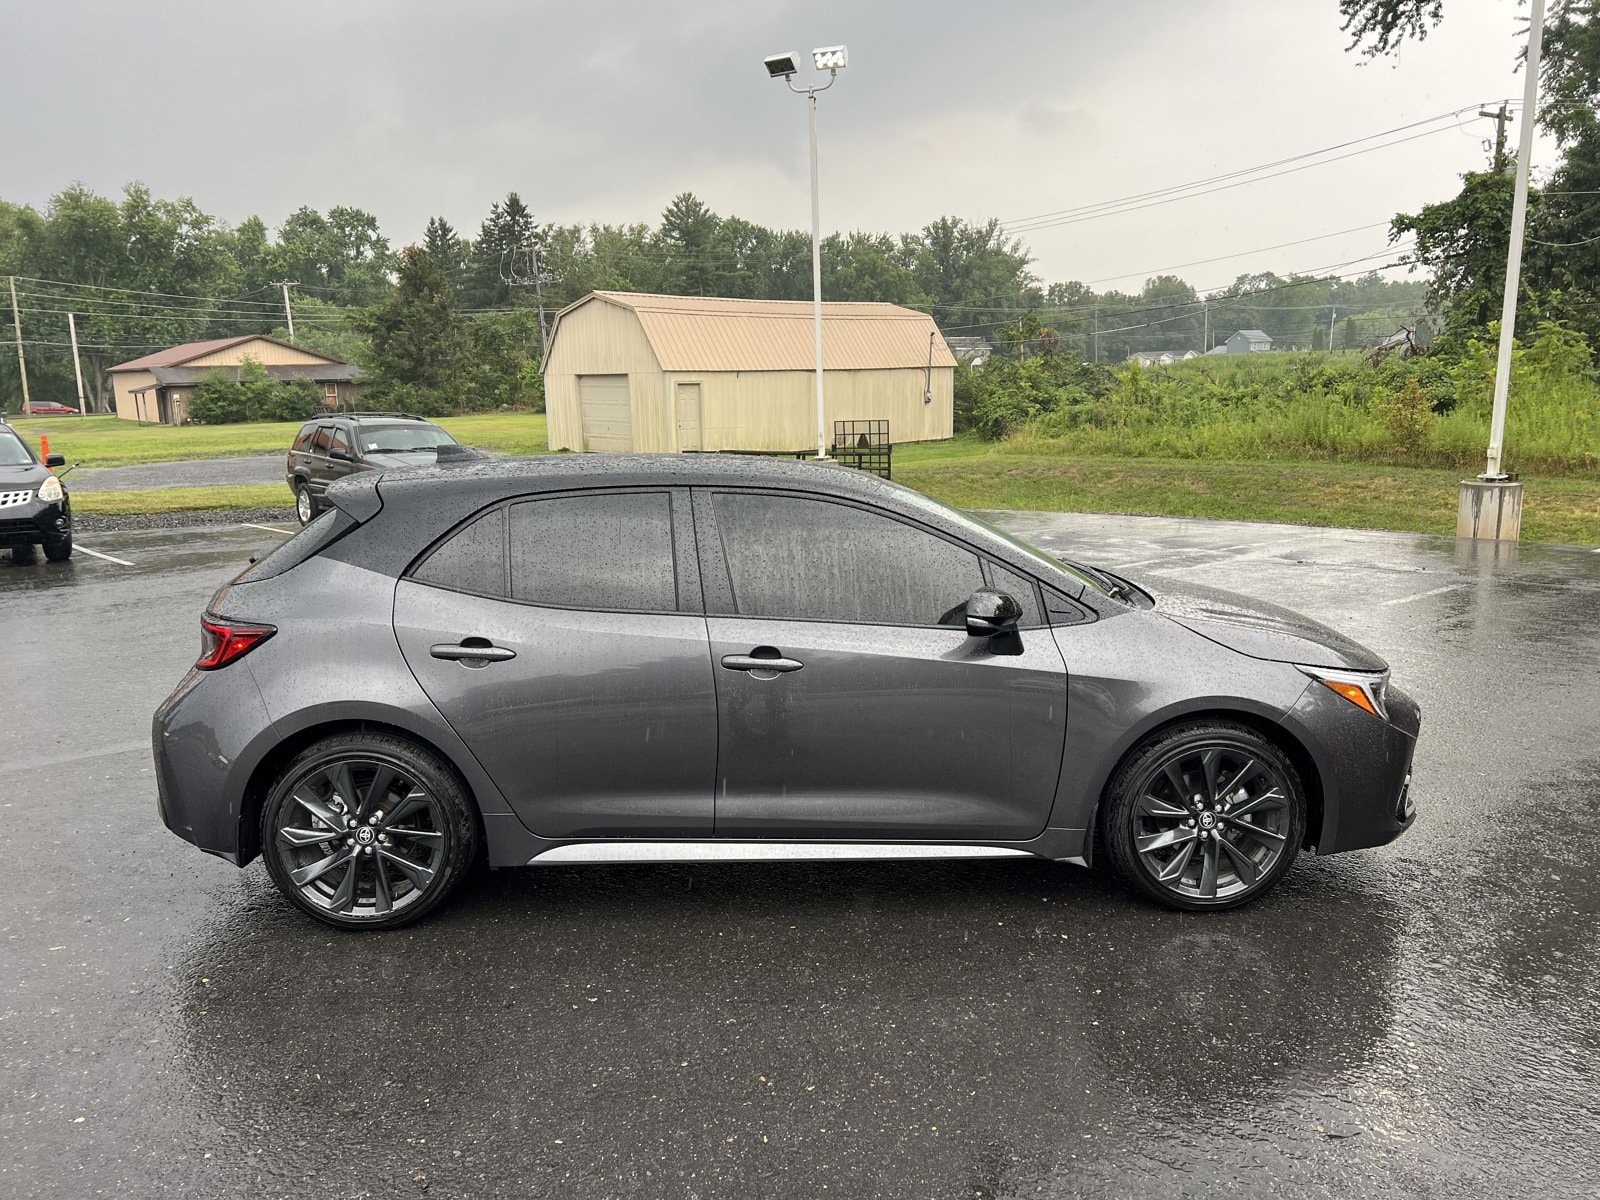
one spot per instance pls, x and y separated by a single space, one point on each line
1206 815
305 506
368 831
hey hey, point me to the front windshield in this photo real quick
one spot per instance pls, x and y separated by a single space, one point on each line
1033 552
13 453
397 439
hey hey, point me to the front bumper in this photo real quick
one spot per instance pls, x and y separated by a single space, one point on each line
35 522
1364 763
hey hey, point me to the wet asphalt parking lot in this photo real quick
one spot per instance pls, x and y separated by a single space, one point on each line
1421 1020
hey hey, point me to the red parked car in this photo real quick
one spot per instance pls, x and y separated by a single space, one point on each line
49 408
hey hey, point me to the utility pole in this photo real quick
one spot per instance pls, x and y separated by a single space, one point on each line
22 361
1097 331
538 291
1332 317
1205 317
77 364
1501 118
1491 506
288 312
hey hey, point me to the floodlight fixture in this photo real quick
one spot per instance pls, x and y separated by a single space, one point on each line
782 66
830 58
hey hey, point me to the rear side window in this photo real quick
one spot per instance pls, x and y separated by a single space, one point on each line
611 552
319 442
473 560
814 561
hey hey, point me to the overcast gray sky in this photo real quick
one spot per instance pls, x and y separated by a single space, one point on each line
603 110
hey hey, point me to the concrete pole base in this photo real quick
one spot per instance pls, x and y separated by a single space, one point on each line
1490 510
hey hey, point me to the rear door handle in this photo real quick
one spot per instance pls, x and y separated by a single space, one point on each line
472 652
749 662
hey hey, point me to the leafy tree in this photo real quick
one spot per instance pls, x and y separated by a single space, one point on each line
417 337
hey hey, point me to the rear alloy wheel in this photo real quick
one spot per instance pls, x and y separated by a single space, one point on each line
305 508
367 831
1205 816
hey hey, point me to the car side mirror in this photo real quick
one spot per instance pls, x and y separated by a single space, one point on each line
340 456
991 613
55 460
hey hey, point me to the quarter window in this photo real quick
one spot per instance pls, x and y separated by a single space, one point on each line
611 552
473 560
815 561
1020 588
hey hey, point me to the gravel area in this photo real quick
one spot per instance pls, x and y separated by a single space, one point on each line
283 518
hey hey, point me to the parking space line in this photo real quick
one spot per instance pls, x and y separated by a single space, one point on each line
121 562
268 528
1449 587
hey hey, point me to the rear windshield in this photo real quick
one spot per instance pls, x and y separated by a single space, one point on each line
391 439
323 532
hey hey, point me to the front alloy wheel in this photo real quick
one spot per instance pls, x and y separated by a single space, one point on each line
1206 816
367 832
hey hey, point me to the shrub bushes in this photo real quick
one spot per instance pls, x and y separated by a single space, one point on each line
256 396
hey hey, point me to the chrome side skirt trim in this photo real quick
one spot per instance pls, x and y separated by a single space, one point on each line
688 852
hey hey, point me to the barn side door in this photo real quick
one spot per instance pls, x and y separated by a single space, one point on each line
686 406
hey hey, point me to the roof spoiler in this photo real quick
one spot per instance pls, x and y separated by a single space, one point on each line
356 496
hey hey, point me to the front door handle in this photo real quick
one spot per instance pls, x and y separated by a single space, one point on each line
750 662
472 652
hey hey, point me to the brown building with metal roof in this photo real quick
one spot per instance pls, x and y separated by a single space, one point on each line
156 387
630 371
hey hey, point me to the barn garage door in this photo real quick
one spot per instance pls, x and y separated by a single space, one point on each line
607 415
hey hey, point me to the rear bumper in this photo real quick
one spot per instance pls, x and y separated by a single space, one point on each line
206 739
1364 763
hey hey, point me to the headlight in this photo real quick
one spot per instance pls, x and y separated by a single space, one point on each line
1364 689
50 490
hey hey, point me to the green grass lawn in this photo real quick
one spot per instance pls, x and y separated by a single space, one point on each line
964 471
110 442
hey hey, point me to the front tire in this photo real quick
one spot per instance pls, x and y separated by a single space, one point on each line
58 550
368 831
305 508
1206 815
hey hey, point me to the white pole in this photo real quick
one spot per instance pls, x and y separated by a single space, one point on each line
1519 216
77 364
288 312
816 275
22 359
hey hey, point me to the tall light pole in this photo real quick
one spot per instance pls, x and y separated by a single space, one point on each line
1491 505
831 59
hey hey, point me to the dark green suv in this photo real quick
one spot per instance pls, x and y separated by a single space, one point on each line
338 444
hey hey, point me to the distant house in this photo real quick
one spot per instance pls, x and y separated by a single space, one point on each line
156 387
1160 358
974 351
1249 341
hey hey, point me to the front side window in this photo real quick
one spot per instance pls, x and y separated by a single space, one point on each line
610 552
341 440
812 560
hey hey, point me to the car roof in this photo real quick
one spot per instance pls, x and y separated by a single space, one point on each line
473 485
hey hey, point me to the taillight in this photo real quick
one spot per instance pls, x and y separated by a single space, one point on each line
222 641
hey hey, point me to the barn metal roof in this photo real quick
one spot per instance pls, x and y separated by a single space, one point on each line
710 333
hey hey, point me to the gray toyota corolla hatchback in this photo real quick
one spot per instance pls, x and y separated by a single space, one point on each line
607 659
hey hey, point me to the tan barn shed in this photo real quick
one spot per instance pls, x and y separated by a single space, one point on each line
157 387
628 371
